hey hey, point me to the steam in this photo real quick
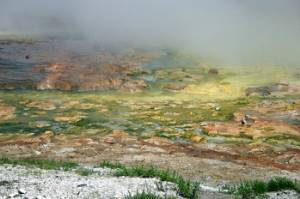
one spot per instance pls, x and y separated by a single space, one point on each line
231 31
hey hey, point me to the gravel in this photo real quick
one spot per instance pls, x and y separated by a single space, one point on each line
34 183
288 194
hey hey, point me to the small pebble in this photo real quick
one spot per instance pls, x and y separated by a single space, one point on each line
82 185
12 195
21 191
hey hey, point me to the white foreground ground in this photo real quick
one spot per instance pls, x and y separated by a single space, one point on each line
33 183
21 182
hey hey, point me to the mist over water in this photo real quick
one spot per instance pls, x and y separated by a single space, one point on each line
263 32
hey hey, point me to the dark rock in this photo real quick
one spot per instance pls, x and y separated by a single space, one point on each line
174 86
213 71
5 183
262 91
247 120
276 87
297 75
280 87
134 85
82 185
291 101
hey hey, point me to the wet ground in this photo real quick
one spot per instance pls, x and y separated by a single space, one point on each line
206 121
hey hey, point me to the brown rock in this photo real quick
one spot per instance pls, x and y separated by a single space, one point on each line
260 91
244 119
47 136
153 149
119 134
6 112
213 71
159 141
280 87
69 118
295 159
238 116
109 140
43 105
174 86
134 85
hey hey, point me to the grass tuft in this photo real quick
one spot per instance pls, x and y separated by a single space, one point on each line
145 195
282 183
42 164
254 188
186 188
111 165
249 189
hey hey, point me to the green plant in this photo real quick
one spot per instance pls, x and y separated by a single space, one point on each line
145 195
281 183
257 188
186 188
249 189
111 165
43 164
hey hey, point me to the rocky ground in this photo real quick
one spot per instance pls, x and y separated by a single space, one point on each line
34 183
21 182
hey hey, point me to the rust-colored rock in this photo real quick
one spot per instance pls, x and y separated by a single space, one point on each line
46 137
261 128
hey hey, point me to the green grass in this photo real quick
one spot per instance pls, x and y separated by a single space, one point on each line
254 188
42 164
145 195
250 189
20 127
280 183
111 165
186 188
